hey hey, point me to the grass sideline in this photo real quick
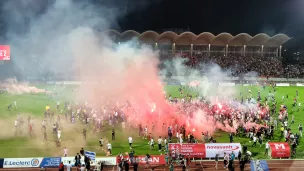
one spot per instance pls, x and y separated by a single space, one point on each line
34 105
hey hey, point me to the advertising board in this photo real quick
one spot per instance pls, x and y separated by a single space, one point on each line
220 148
279 150
109 161
153 160
190 150
22 162
5 53
50 162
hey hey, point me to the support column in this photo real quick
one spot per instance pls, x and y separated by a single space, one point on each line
262 50
173 48
277 52
209 48
280 52
226 51
191 49
244 53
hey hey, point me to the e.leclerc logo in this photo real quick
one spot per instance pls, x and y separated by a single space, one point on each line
35 162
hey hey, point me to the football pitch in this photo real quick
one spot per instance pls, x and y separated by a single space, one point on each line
33 105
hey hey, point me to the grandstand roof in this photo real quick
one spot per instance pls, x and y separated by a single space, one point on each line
188 38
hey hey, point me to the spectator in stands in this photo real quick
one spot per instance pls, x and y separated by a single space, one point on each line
262 65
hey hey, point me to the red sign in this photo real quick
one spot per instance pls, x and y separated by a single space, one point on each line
279 149
5 53
153 160
188 150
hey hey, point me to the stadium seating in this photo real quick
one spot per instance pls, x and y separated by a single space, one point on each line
238 65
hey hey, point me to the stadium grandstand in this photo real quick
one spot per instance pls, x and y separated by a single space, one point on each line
207 43
241 54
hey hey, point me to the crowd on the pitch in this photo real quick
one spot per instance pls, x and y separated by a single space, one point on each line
237 114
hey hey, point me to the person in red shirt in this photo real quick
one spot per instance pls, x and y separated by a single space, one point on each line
61 167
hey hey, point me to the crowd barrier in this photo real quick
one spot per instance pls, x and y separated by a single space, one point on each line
207 150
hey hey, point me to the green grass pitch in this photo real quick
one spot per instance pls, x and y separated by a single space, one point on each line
34 105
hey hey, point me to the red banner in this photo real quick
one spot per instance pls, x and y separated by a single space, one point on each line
153 160
279 149
5 54
188 150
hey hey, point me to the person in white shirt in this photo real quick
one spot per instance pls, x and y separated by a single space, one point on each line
266 148
130 142
180 139
109 146
165 141
65 152
69 166
152 144
285 133
59 134
285 124
43 124
254 141
226 159
160 141
16 125
146 132
58 105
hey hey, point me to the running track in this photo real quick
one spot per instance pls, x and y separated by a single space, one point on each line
274 165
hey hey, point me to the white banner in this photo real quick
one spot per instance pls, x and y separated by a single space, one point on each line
299 85
220 148
111 161
21 162
66 160
282 84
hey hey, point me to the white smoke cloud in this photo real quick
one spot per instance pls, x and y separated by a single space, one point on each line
205 78
39 33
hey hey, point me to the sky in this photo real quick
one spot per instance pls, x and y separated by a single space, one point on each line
215 16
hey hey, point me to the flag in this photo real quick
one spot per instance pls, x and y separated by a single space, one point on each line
90 154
